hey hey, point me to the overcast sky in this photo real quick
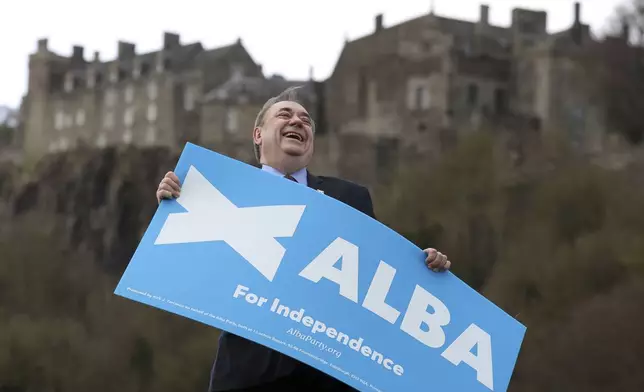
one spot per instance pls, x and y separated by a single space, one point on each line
285 36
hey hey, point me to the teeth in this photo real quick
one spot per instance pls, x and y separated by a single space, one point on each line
297 136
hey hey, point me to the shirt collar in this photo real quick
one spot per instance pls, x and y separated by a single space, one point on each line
300 175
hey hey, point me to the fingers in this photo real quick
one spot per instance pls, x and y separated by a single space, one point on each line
431 255
163 194
172 181
173 177
169 187
436 261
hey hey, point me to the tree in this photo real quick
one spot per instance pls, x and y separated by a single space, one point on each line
8 126
617 66
6 134
628 21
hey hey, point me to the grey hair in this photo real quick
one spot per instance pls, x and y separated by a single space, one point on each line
290 94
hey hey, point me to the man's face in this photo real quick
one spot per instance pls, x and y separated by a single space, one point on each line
286 137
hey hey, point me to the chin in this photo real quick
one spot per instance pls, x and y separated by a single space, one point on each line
295 151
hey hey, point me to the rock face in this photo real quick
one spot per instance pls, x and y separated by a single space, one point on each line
98 201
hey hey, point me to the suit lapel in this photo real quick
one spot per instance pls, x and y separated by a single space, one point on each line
314 182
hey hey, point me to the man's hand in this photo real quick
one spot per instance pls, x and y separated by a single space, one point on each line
169 187
436 261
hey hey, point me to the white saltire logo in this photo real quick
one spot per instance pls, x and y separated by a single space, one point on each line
250 231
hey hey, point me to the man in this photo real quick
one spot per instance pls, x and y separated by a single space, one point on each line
283 140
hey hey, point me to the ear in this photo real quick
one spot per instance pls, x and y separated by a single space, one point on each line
257 135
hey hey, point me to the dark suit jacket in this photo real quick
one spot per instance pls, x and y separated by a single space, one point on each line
242 364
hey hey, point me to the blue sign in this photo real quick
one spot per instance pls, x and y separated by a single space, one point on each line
295 270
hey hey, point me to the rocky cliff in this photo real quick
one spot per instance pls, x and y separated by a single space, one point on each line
562 252
96 202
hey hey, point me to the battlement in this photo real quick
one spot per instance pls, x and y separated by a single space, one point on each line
70 73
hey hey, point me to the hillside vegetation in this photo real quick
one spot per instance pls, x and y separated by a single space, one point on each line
561 250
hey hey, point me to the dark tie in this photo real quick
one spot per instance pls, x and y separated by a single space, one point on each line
290 177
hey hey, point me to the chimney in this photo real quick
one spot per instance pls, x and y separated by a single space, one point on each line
171 40
42 45
126 50
77 52
97 57
484 15
626 30
576 30
378 22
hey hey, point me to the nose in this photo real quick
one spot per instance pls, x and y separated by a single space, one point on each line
296 121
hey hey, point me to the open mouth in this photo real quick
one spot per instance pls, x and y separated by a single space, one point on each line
294 136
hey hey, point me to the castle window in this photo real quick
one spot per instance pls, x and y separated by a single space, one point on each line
418 94
136 70
63 144
69 83
128 117
129 93
422 98
101 141
152 112
91 78
59 120
237 72
80 117
127 136
231 120
163 64
467 48
189 97
114 75
153 91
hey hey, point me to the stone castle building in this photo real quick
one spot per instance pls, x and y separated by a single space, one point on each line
409 88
